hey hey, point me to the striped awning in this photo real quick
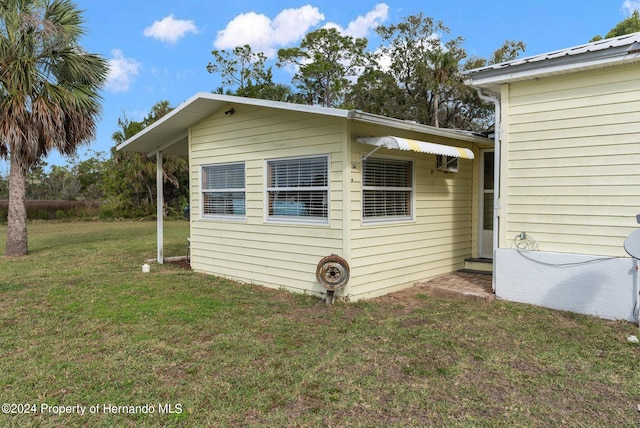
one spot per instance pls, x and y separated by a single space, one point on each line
391 142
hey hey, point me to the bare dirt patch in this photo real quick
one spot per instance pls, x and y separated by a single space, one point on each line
183 263
451 285
405 300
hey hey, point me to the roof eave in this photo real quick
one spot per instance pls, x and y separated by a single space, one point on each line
173 128
170 133
374 119
491 78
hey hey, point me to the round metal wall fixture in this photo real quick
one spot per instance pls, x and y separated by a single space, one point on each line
332 272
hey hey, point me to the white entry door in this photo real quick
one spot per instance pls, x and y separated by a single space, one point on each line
486 205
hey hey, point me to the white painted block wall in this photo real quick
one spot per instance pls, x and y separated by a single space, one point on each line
592 285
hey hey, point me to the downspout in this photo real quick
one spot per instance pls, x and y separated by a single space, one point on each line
496 178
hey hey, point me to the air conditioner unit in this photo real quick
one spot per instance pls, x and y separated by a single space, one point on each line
447 163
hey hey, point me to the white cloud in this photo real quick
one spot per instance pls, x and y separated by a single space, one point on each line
629 6
292 24
122 71
245 29
362 25
266 35
170 30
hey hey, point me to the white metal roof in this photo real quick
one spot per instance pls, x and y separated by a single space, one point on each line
170 134
603 53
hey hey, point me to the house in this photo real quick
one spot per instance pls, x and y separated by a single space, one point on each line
323 200
568 176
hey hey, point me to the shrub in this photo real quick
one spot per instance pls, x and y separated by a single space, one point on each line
55 209
40 214
122 207
105 213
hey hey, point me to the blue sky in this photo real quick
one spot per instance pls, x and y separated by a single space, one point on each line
160 50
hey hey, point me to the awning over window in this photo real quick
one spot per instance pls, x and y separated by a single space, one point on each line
391 142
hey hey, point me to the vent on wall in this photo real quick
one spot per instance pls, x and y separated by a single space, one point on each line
447 163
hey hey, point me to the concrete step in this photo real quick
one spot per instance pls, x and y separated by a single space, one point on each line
478 265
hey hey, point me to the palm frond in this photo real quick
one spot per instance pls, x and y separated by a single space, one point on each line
49 86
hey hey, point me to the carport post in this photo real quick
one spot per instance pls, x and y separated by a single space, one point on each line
160 206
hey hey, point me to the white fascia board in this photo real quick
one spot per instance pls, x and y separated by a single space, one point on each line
492 78
158 125
304 108
173 127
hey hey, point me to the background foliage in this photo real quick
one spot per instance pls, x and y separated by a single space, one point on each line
121 186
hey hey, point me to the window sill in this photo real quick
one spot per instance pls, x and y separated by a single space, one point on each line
234 218
298 221
387 221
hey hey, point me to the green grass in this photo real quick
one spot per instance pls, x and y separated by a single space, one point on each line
80 324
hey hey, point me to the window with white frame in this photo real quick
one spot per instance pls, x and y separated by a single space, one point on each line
223 190
298 189
387 189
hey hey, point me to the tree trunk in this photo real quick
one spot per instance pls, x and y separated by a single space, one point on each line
17 217
150 191
436 107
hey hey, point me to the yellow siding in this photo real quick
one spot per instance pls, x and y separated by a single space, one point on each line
389 256
383 257
254 250
572 147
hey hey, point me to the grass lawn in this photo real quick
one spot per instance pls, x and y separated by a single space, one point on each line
81 326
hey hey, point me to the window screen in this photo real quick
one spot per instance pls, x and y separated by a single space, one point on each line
223 190
387 189
298 188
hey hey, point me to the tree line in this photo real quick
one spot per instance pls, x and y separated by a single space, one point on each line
123 183
414 75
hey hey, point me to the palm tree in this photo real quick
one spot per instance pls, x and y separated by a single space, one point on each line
443 65
132 176
48 94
